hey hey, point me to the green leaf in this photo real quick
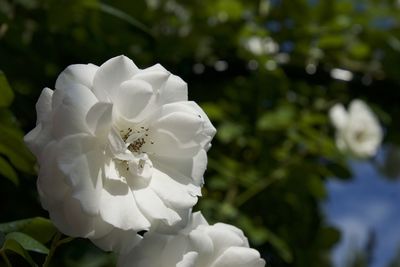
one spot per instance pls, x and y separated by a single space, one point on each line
39 228
8 172
6 94
28 242
7 117
13 245
12 146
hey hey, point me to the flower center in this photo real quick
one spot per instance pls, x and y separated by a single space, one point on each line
138 163
136 145
135 138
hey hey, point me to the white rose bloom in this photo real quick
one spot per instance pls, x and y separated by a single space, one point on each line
358 129
198 245
120 150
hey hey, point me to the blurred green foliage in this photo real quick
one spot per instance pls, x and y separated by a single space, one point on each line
261 69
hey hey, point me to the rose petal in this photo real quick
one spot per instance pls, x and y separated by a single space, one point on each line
175 194
231 236
192 168
50 179
111 74
189 260
239 257
76 74
43 105
174 90
118 240
202 244
157 78
132 98
99 119
81 163
69 115
153 208
118 207
141 256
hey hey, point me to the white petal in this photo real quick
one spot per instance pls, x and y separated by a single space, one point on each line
239 257
338 116
81 163
189 260
192 168
43 105
143 255
197 219
118 207
111 74
58 217
37 138
174 90
76 74
174 251
186 122
203 244
225 235
208 130
50 179
132 98
77 220
118 240
164 143
183 125
116 144
154 209
99 119
69 115
157 78
172 192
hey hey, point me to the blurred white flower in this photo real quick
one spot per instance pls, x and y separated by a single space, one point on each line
198 245
357 130
120 150
260 46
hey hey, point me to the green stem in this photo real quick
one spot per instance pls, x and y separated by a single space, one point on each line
5 258
65 240
53 247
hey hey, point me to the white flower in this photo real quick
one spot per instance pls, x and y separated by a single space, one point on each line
198 245
358 129
120 150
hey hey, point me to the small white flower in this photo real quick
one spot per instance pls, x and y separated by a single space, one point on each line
120 150
198 245
357 130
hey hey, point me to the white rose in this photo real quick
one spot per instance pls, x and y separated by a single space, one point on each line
198 245
357 130
120 150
